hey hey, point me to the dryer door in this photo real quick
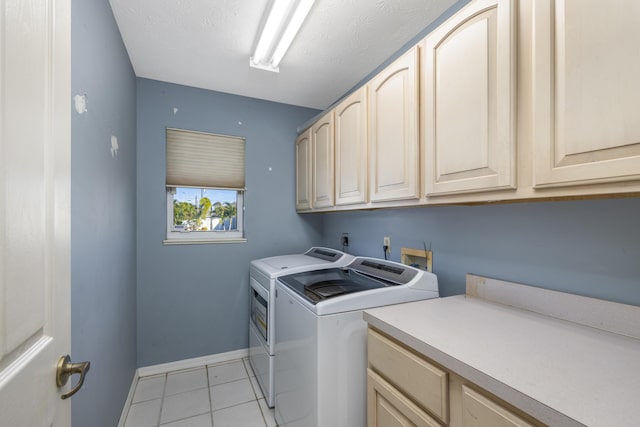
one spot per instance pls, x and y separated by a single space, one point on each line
260 309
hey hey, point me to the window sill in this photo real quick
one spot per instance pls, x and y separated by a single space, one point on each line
203 241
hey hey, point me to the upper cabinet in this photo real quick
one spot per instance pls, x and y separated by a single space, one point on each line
507 100
322 161
468 90
393 131
351 149
586 92
303 171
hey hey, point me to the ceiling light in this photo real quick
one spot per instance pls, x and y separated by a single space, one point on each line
284 20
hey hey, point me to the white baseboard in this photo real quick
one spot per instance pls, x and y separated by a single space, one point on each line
163 368
196 362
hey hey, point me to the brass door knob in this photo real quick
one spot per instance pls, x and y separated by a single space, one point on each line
66 369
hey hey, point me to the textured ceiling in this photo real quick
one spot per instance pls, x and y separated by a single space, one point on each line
207 44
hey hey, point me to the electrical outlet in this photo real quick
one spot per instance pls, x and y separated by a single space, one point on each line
344 240
387 242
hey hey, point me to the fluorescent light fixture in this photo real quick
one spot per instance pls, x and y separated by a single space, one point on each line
284 20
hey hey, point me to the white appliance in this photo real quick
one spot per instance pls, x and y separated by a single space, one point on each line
262 275
321 350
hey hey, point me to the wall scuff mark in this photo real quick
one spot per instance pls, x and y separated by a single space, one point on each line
80 102
114 146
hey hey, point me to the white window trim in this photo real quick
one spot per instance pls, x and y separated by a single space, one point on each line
204 237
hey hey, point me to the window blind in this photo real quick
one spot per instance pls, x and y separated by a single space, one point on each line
198 159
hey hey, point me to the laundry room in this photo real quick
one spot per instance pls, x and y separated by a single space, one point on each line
478 133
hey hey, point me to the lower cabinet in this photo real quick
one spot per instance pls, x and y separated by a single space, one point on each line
387 406
416 378
405 388
477 410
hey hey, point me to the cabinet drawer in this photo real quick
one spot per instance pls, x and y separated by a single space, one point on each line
422 382
387 407
480 411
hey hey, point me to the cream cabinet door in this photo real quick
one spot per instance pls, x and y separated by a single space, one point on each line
468 77
303 171
388 407
351 149
480 411
421 381
322 161
586 91
393 131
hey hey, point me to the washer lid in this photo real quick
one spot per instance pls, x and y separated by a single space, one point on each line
314 258
318 285
333 288
291 261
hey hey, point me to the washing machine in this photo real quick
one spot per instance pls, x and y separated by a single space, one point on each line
262 275
320 347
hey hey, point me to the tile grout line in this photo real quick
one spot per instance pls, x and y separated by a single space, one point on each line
164 390
179 371
264 419
209 392
209 386
244 365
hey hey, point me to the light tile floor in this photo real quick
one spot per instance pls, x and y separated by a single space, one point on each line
221 395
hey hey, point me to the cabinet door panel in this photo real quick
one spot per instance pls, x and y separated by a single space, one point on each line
469 92
322 161
465 143
421 381
303 171
479 411
586 92
388 407
351 149
393 130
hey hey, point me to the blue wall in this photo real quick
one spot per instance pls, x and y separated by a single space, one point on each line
589 247
193 299
103 211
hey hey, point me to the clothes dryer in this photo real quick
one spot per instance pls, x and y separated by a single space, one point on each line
262 275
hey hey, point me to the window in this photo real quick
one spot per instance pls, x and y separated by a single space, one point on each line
205 187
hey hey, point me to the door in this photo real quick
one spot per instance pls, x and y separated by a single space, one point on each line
351 149
388 407
322 161
480 411
586 92
469 98
393 130
34 209
303 171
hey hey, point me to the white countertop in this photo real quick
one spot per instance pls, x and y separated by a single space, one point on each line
560 372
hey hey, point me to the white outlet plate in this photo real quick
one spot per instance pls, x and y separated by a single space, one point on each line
387 242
